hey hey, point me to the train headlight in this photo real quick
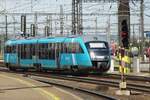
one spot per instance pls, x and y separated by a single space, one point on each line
92 54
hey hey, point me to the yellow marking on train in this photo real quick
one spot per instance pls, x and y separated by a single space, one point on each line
30 84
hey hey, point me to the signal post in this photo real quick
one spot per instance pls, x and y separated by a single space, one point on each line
124 38
123 22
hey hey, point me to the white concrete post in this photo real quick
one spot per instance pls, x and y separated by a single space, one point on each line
136 65
111 66
145 58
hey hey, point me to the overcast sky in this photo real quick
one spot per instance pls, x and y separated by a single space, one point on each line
53 6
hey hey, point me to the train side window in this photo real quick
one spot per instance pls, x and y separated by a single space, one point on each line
43 52
49 50
10 49
76 48
53 50
69 48
58 47
64 48
19 50
13 49
79 48
22 51
40 51
72 48
46 50
25 51
7 49
32 49
28 51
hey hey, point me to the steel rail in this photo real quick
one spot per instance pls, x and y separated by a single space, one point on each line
130 86
75 88
117 76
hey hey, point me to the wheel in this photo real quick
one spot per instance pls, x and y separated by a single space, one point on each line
12 68
25 69
44 70
105 67
74 68
38 68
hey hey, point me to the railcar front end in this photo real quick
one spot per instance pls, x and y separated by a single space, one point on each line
100 55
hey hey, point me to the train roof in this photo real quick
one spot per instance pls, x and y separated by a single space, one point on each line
43 40
75 38
20 41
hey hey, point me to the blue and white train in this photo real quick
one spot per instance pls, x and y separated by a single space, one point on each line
57 53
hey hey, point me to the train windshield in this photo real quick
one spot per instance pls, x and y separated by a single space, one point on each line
98 48
97 45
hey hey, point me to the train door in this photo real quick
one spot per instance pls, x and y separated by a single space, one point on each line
34 53
18 53
57 54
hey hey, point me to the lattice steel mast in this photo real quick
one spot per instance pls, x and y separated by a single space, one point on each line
77 17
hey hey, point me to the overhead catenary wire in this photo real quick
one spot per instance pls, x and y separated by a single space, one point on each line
135 10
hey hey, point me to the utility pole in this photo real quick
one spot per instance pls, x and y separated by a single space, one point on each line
142 28
61 20
66 22
47 27
14 25
96 25
80 22
108 31
77 17
47 21
134 38
55 27
35 23
46 31
51 25
31 5
73 18
6 35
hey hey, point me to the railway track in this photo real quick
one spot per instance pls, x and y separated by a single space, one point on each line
117 76
110 75
101 95
106 82
98 81
41 78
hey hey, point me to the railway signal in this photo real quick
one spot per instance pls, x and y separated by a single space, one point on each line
124 34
